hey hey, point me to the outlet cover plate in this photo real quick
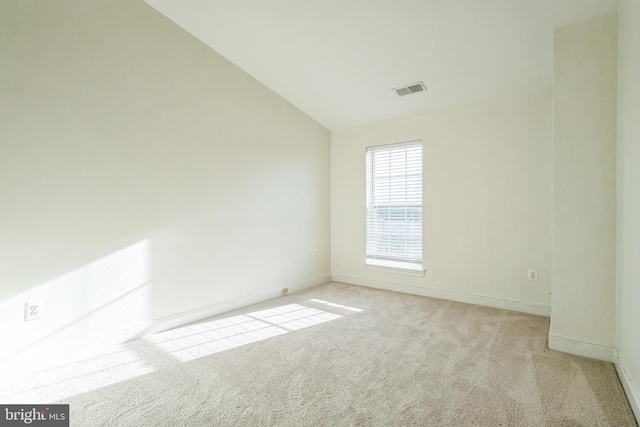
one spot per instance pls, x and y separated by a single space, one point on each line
34 310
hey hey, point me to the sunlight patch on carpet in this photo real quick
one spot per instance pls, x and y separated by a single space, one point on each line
333 304
207 338
115 366
128 361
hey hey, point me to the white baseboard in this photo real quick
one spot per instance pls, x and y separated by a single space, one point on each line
580 348
485 300
630 388
85 348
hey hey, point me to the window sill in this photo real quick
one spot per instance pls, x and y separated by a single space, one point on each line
398 267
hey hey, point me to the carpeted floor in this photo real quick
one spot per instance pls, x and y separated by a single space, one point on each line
338 355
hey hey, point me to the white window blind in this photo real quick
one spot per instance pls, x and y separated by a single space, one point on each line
394 205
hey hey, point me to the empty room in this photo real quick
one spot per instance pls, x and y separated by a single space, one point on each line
336 213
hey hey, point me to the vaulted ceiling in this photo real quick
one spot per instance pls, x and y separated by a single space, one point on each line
338 60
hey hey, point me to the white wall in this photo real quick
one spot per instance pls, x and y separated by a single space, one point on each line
142 175
487 202
628 307
584 188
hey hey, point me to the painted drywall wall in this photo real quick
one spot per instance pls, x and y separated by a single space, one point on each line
487 201
584 183
142 175
628 225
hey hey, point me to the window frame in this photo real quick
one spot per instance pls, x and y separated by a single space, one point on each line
385 168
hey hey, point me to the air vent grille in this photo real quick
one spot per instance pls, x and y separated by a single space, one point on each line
409 89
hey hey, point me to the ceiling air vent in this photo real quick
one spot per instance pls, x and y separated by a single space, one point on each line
409 89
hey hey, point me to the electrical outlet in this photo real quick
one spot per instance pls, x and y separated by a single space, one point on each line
532 275
34 310
285 291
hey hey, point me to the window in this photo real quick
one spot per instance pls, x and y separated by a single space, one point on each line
394 205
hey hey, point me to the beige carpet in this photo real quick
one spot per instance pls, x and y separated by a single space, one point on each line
338 355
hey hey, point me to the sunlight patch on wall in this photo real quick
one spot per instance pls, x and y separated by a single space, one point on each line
106 295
